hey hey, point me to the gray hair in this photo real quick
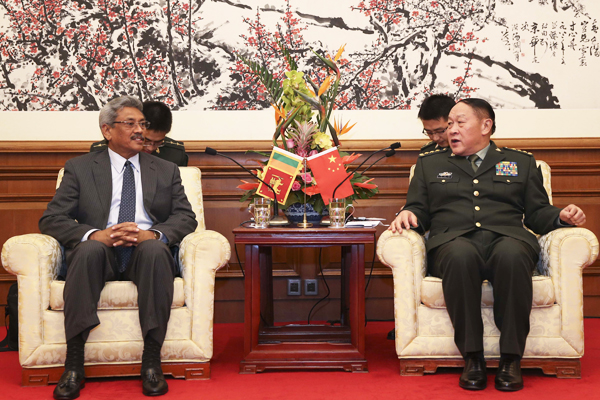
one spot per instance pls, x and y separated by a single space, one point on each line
108 113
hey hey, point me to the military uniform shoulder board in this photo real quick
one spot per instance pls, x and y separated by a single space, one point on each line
436 151
518 150
99 144
172 142
429 146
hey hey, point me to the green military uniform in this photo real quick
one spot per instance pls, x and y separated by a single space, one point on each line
172 150
475 222
431 146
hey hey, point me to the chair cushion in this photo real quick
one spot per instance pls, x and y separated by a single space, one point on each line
115 295
432 294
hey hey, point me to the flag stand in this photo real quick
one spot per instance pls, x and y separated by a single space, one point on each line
304 224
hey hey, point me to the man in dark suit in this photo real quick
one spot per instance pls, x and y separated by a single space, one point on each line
474 199
156 141
117 212
434 117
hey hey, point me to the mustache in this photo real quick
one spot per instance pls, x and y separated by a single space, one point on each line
137 136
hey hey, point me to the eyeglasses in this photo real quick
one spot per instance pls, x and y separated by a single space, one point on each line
154 143
437 132
131 124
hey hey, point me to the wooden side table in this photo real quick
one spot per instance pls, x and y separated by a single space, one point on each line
267 346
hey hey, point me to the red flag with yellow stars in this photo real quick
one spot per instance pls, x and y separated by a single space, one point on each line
329 171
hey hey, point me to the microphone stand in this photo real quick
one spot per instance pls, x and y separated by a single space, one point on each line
325 220
277 219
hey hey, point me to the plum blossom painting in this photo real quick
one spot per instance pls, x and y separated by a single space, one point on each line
76 55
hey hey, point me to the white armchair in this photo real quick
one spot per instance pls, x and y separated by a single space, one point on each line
115 346
424 333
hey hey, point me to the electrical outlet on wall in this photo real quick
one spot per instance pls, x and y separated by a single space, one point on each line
294 287
311 287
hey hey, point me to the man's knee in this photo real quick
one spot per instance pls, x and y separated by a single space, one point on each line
88 253
457 257
512 253
153 248
156 255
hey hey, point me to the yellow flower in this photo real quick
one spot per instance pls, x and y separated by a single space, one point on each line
339 129
325 85
279 113
322 140
339 53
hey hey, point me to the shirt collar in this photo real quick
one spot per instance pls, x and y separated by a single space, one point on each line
118 162
482 153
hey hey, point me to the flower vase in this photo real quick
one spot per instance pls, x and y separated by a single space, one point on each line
295 213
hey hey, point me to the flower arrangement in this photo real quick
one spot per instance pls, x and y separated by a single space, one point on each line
303 108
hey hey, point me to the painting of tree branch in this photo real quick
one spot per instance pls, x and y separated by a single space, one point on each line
76 55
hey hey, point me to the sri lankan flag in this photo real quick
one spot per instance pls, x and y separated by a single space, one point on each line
280 173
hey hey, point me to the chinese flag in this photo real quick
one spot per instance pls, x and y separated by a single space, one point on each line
329 171
280 173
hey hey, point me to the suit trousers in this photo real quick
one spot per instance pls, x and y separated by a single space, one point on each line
91 264
508 264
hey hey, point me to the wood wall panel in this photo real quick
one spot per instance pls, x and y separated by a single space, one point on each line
28 174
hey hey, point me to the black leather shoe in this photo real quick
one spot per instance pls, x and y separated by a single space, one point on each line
473 376
508 377
69 385
153 382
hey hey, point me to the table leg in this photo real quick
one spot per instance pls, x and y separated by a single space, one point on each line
357 297
252 298
266 286
345 267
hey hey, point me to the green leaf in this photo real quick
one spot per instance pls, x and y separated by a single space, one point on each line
247 195
319 205
288 57
266 78
258 152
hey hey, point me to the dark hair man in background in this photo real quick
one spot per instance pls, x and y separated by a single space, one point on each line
156 143
434 116
114 228
474 198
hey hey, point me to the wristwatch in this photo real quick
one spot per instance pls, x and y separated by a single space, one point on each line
156 235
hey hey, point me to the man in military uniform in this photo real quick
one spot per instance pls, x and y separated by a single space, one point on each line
155 140
434 117
474 199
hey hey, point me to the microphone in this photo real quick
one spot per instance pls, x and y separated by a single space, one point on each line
392 150
277 219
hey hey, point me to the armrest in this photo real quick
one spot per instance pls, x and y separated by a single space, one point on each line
36 260
405 254
565 252
201 254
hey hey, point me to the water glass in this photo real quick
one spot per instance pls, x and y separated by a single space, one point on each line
337 212
261 210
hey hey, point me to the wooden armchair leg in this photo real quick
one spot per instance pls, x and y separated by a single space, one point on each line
561 368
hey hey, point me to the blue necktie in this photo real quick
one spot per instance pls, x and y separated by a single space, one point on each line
126 213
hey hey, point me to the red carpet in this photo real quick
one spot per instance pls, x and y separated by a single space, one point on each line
382 382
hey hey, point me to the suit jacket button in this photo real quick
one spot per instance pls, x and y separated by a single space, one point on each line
475 181
476 193
477 224
477 208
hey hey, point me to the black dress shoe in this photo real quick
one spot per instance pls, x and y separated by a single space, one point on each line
69 385
508 377
473 376
153 382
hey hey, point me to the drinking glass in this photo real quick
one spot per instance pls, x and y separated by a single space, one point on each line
261 210
337 212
